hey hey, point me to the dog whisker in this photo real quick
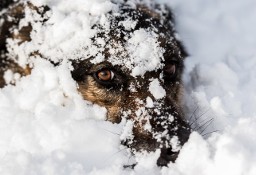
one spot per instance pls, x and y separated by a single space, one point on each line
111 132
190 118
205 125
199 117
210 133
114 154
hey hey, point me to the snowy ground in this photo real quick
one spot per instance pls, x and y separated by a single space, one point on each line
43 131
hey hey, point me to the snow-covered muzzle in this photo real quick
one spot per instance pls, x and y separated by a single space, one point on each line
125 57
156 124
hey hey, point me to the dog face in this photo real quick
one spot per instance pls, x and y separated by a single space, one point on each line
135 74
149 98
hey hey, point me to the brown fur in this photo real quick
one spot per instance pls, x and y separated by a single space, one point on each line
11 20
118 98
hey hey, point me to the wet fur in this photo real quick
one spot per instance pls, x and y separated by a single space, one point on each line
118 99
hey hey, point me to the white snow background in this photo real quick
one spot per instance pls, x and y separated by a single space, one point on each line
46 128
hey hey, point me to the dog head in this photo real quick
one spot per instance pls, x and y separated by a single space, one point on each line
133 69
136 74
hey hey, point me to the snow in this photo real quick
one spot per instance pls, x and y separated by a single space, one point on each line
156 89
47 128
146 54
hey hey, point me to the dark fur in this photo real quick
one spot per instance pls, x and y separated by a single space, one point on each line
116 96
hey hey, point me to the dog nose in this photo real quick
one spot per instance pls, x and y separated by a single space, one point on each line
166 156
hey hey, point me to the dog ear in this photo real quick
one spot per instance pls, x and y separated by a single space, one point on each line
162 18
10 20
15 13
170 22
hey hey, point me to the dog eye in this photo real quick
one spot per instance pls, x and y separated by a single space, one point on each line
109 77
105 75
170 69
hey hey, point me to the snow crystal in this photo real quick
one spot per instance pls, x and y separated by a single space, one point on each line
156 89
149 102
8 76
146 161
145 52
128 24
127 133
175 144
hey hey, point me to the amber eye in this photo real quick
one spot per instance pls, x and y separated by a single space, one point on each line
105 75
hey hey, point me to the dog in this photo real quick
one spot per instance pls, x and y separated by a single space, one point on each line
146 92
